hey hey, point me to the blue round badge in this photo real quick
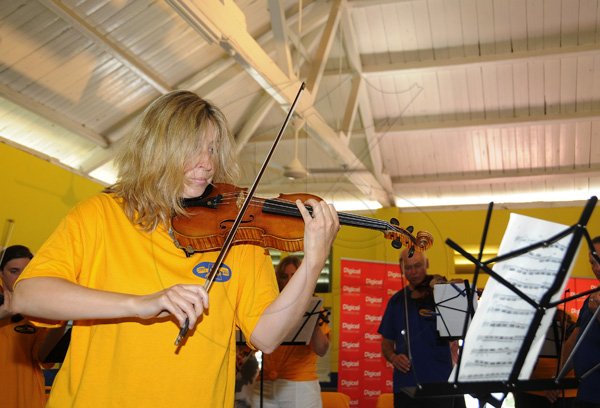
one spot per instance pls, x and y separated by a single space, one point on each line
202 270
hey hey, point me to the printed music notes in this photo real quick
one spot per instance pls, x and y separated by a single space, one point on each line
503 318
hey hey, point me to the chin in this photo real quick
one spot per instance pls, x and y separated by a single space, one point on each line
194 192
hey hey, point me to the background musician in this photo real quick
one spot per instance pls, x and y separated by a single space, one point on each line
431 355
112 267
23 347
290 372
587 356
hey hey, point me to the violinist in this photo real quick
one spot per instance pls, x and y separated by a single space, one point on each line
23 347
425 357
586 357
290 372
112 267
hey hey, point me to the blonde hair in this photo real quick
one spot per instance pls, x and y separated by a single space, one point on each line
151 163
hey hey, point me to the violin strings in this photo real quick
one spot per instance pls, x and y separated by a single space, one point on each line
289 208
286 207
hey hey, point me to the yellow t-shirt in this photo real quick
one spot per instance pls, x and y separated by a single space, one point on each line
293 362
131 362
20 373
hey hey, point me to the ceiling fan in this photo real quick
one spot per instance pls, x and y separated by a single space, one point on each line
295 170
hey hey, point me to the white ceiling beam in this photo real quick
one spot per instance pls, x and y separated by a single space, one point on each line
103 41
456 125
320 61
359 92
53 116
349 44
438 64
206 75
212 72
213 15
351 107
486 178
262 107
280 36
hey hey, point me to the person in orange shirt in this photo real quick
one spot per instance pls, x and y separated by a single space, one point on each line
290 372
20 342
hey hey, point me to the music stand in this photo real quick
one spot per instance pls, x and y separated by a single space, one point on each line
451 305
517 377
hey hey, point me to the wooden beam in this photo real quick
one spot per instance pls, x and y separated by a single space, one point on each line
264 103
440 64
486 178
53 116
320 60
280 36
248 53
104 42
534 120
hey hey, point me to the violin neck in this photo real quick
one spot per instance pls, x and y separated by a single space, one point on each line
287 208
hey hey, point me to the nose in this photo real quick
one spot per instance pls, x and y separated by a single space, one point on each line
204 160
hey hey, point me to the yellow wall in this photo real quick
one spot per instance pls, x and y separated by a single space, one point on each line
36 194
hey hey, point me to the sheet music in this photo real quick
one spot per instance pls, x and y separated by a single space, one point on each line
502 319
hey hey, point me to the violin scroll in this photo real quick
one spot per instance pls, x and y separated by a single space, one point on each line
403 237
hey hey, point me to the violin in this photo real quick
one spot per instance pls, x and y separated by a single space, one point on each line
271 223
424 290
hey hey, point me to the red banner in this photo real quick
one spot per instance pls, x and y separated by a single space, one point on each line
574 287
363 373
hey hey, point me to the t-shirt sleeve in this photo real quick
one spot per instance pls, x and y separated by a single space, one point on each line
257 290
60 256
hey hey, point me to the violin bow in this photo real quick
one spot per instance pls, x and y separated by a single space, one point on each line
249 195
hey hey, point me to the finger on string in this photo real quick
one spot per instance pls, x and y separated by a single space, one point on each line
303 211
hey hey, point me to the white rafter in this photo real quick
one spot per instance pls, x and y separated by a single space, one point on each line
106 44
248 53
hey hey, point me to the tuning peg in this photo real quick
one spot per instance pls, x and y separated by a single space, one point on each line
394 221
411 252
396 243
410 228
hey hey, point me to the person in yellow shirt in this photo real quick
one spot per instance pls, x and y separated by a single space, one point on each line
20 370
290 372
112 267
